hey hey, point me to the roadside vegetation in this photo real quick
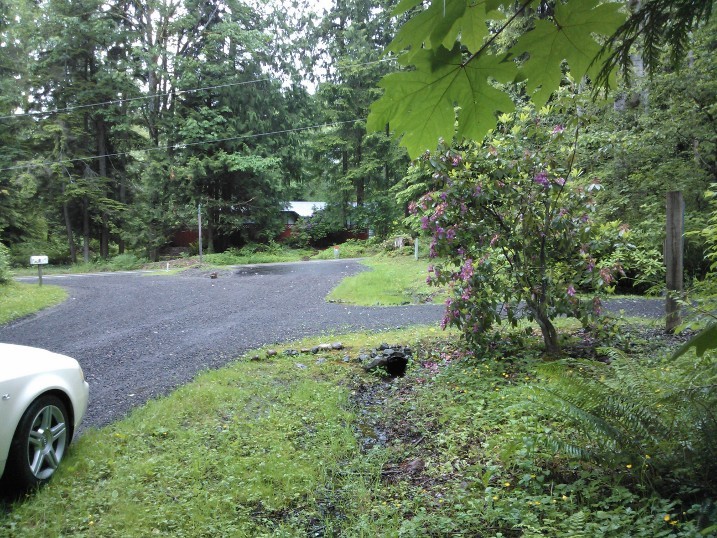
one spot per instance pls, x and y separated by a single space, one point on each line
18 300
537 415
389 281
310 445
614 438
252 253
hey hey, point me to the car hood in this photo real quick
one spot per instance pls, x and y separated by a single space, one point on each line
21 361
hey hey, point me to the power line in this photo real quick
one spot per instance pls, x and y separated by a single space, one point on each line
178 146
129 99
152 96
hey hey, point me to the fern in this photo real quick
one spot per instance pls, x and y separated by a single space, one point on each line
662 417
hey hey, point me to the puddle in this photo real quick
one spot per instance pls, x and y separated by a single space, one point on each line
265 270
369 429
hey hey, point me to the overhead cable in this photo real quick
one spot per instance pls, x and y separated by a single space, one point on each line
177 146
154 95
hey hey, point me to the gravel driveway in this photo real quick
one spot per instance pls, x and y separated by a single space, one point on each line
138 336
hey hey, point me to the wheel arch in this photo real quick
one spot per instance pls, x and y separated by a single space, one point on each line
67 402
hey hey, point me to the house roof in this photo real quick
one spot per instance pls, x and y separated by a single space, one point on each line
305 209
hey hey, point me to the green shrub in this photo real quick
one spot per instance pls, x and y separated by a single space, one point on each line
352 248
5 274
126 262
641 264
56 250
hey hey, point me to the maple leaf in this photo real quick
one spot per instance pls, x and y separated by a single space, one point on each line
427 29
420 104
471 29
569 36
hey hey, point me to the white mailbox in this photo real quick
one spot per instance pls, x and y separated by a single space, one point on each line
38 260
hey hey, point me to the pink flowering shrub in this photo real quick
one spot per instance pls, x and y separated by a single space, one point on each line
511 229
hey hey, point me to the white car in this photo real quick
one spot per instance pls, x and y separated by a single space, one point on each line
43 397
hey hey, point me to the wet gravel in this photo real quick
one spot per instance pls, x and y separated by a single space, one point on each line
139 336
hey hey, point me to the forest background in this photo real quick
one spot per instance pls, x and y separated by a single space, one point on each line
118 119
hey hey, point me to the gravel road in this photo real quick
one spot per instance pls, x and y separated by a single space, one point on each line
137 336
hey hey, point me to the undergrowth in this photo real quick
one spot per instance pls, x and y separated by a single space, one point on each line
310 445
18 300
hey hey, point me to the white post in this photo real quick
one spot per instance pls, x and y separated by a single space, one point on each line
415 249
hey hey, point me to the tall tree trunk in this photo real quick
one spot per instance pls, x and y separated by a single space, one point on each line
68 227
360 181
102 154
210 238
86 229
345 170
123 201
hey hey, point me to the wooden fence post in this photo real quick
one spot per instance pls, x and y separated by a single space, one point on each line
674 247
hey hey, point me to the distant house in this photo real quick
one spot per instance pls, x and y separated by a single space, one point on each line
296 210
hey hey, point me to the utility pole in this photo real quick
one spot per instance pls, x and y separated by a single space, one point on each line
199 220
674 247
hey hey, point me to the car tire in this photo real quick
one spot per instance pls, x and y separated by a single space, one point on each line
39 443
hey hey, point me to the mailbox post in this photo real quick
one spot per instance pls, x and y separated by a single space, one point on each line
39 261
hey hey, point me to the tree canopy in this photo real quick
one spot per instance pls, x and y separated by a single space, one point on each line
455 67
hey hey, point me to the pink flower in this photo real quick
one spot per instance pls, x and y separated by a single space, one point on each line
560 181
571 290
606 275
541 178
467 270
558 129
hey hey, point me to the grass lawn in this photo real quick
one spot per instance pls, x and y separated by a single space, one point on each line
310 445
390 281
18 300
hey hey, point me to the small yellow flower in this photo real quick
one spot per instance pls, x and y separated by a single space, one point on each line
565 497
495 497
507 484
673 522
629 465
647 456
667 517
